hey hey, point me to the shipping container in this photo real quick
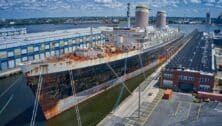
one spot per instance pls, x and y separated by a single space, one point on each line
167 94
211 96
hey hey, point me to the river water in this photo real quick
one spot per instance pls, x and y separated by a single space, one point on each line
22 101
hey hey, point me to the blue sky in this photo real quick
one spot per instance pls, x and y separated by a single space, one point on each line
75 8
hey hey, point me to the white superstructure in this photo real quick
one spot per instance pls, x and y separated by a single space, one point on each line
122 43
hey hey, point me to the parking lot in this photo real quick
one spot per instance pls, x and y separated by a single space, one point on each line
182 111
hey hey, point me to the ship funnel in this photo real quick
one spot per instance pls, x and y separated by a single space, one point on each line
142 16
161 19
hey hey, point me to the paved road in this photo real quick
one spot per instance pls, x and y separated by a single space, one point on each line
181 111
126 111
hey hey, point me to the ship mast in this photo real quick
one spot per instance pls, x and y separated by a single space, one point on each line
74 93
128 14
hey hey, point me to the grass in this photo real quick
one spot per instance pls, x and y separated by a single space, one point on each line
96 108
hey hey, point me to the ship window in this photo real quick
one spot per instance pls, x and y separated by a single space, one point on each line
36 49
66 43
30 58
42 47
10 54
24 59
4 65
62 43
17 51
3 54
24 51
52 53
56 44
70 42
30 49
42 56
70 49
66 50
11 63
47 54
18 61
46 46
36 57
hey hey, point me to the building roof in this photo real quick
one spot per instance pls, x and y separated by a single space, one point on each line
11 29
195 56
32 38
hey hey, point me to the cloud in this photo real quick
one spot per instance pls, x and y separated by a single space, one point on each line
195 1
112 7
108 3
104 1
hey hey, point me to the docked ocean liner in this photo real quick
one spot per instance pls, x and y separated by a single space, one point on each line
91 66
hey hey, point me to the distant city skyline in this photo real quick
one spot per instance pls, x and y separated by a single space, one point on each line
76 8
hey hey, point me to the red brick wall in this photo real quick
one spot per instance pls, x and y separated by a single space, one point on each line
196 83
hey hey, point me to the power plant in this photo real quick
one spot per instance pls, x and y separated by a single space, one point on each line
161 19
142 16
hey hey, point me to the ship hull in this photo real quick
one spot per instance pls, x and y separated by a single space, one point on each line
56 94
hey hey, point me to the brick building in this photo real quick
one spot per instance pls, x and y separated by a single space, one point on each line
192 68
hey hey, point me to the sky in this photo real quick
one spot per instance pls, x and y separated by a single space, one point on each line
76 8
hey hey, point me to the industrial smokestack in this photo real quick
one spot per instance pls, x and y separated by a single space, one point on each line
142 16
128 14
208 18
161 19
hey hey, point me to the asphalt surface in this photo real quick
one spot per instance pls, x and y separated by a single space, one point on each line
182 111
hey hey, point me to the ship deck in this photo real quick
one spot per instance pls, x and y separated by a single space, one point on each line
71 61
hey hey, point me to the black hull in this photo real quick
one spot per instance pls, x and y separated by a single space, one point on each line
57 86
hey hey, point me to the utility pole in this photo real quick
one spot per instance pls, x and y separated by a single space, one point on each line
139 103
91 36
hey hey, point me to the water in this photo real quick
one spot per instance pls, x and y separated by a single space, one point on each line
52 27
23 98
201 27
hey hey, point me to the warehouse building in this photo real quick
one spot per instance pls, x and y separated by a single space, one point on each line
22 47
192 69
